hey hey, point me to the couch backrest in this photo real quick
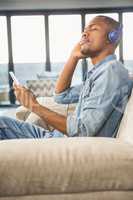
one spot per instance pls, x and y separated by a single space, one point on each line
125 131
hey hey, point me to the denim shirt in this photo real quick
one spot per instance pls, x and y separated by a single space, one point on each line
101 100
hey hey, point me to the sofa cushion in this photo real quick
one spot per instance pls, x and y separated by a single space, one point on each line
91 195
42 88
125 131
65 165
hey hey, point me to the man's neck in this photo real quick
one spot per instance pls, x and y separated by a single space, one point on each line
100 57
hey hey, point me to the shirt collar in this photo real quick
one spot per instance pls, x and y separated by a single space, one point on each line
106 59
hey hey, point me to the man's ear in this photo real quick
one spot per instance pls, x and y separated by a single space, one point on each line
107 41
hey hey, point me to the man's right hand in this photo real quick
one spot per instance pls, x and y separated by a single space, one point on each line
76 52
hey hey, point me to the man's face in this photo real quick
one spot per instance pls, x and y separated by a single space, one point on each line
94 38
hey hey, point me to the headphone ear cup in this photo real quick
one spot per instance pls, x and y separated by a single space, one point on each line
113 36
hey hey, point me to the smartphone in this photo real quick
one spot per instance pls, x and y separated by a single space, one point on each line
14 78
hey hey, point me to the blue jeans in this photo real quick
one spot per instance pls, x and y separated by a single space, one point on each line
15 129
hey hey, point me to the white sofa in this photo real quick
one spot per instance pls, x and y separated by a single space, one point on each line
80 168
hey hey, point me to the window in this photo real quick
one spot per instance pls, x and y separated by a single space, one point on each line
89 17
29 48
65 32
127 41
28 41
4 86
3 41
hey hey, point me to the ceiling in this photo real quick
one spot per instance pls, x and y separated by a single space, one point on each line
62 4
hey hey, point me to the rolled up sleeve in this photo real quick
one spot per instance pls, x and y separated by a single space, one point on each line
71 95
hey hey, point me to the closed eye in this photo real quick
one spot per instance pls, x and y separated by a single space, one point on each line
92 28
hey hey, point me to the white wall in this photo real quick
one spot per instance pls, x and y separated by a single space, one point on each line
58 4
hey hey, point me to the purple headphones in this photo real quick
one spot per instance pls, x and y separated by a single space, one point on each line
115 35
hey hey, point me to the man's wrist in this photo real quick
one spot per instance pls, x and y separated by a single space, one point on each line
74 57
35 107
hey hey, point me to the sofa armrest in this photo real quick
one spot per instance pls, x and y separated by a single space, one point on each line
65 165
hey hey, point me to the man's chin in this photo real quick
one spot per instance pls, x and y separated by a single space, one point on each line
88 53
85 52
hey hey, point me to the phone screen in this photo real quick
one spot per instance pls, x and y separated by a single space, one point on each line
14 78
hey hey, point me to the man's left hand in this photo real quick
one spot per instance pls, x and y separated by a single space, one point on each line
25 96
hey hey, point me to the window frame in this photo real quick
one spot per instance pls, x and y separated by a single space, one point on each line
46 12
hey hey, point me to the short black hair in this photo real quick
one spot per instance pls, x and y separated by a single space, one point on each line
113 24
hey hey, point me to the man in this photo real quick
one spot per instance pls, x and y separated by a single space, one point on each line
101 98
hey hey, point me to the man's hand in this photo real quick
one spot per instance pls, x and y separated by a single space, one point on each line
27 99
25 96
76 52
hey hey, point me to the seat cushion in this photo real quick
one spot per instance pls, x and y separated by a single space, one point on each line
125 131
91 195
65 165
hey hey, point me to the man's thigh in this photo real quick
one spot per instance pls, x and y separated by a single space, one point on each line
16 129
11 129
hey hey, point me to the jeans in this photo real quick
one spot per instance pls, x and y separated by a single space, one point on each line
15 129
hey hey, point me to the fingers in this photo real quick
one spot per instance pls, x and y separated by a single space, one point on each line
24 95
18 90
16 86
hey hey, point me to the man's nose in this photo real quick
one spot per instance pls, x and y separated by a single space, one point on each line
84 34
